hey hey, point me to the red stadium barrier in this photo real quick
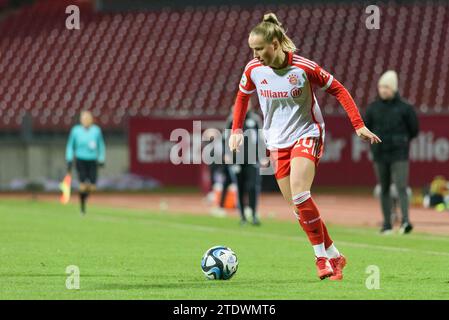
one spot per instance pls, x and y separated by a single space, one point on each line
149 145
346 158
345 162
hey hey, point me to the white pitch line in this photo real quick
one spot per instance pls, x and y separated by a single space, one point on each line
201 228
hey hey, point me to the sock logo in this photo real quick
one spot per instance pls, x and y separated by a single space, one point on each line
312 221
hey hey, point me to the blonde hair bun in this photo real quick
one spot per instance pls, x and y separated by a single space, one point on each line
271 17
270 28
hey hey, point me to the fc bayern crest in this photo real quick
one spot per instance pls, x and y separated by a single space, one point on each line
293 79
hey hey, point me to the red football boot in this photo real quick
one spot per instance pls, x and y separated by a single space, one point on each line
324 268
338 264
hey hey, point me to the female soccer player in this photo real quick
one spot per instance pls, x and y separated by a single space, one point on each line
293 127
86 145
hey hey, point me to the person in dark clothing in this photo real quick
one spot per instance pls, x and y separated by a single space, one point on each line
396 123
227 181
216 169
245 170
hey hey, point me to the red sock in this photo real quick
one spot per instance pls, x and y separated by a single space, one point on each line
310 219
327 240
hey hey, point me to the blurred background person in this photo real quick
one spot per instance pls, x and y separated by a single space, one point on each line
396 123
224 186
215 170
436 195
247 174
395 210
220 178
86 146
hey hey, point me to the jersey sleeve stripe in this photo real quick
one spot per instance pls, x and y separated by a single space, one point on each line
306 60
303 66
312 66
328 84
246 91
251 64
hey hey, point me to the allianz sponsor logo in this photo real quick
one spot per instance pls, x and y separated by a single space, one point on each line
295 92
273 94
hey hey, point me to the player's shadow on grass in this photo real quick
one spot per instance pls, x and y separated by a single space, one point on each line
200 284
148 286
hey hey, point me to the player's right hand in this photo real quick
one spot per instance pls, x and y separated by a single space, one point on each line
235 141
365 134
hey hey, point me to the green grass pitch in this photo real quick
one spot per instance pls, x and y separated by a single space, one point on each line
130 254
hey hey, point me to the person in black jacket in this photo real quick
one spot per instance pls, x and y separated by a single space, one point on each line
245 171
396 123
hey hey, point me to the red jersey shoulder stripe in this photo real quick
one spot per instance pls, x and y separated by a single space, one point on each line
252 63
252 66
299 58
303 66
311 65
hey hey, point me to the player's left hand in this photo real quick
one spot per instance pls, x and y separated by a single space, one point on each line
365 134
100 164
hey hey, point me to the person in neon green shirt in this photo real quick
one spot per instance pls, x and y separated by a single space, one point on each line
86 147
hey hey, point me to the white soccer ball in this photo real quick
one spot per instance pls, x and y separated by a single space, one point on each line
219 263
